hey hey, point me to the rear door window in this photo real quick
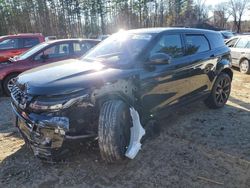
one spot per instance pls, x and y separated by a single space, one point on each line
77 48
170 44
248 44
30 42
196 44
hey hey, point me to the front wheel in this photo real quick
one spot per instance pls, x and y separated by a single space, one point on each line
245 66
8 83
114 130
220 92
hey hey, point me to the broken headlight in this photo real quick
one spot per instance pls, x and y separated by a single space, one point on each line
55 104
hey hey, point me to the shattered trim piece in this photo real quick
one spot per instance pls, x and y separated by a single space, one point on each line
137 132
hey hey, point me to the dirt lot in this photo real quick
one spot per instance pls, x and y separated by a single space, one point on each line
196 147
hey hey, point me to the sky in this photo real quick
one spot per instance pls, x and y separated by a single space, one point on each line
246 16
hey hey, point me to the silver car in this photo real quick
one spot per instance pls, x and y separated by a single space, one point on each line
240 52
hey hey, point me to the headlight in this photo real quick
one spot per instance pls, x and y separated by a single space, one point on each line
55 104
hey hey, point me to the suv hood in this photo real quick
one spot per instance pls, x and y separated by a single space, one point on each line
66 76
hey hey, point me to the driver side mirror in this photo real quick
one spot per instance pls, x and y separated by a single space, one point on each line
159 59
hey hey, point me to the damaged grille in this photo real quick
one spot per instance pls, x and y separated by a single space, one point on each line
19 97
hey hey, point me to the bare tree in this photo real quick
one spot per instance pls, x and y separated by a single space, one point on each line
201 10
237 8
221 15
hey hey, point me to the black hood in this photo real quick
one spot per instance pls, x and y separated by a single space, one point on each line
67 76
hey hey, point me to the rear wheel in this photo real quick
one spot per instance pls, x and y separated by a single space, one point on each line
220 92
245 66
114 130
8 83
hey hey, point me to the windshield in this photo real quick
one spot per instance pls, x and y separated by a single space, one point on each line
119 48
31 51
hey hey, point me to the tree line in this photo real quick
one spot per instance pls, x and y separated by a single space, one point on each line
90 18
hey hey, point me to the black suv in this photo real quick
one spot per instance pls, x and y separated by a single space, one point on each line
148 70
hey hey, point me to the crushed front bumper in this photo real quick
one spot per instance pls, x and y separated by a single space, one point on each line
45 135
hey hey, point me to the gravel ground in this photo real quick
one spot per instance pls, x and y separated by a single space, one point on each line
196 147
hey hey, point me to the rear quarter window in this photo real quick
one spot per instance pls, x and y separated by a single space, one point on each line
215 39
30 42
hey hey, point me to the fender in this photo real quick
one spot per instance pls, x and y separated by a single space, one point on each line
223 65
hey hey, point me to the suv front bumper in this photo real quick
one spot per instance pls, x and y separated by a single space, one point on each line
45 135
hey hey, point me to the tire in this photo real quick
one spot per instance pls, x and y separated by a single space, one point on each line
220 92
6 83
245 66
114 130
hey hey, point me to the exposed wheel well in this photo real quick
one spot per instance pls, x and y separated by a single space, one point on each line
12 73
229 72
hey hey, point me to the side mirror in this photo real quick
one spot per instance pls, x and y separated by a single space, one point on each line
159 59
44 57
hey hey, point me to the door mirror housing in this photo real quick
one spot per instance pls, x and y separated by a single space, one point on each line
159 59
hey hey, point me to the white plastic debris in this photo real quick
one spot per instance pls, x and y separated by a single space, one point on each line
137 133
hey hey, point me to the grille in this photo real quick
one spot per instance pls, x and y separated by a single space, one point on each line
19 96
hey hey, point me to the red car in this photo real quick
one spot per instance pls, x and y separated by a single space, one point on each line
46 52
13 45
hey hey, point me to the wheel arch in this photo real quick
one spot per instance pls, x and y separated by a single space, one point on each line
228 71
114 96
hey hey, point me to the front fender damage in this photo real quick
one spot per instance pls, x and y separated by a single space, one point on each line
50 130
137 132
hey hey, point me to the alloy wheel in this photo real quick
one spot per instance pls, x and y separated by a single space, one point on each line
222 91
11 83
244 66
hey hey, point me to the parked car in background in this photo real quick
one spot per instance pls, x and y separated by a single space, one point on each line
131 76
13 45
240 52
102 37
227 34
47 52
50 38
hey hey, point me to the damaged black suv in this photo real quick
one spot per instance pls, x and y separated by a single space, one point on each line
131 77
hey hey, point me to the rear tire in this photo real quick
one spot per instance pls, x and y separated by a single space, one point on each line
8 83
220 92
245 66
114 130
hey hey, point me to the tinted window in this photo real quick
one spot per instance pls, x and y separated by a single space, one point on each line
77 48
9 44
215 40
241 43
169 44
30 42
196 44
57 51
232 42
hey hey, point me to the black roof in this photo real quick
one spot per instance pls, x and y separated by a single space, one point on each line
172 29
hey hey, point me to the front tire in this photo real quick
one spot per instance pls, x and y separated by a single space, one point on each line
220 92
8 83
245 67
114 130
